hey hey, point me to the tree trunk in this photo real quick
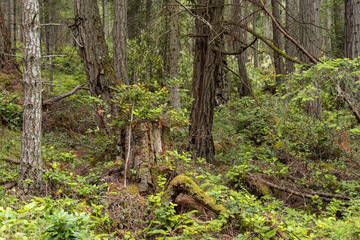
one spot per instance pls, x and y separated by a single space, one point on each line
244 86
278 61
119 40
309 39
30 170
292 29
174 53
207 64
255 50
352 28
98 65
338 33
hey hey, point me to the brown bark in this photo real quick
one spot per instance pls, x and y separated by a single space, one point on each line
292 29
174 52
30 170
278 61
244 86
98 65
352 28
119 40
207 64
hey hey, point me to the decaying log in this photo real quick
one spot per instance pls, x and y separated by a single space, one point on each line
184 185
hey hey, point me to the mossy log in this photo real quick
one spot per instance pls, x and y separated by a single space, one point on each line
184 185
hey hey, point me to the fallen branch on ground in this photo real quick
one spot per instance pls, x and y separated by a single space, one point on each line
62 96
9 160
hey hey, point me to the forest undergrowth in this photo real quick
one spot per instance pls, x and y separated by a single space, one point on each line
280 173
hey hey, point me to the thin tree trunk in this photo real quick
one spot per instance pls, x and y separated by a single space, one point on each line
278 61
30 170
244 86
174 52
292 29
255 50
14 25
119 40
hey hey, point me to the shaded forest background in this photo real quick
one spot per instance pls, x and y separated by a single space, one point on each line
175 119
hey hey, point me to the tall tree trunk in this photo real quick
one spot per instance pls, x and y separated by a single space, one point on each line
352 28
292 28
338 31
255 50
98 65
244 86
309 39
14 25
119 40
30 170
278 60
207 64
174 52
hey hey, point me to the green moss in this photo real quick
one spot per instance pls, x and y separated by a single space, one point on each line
183 184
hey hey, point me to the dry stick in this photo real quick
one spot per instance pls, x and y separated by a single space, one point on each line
288 36
129 143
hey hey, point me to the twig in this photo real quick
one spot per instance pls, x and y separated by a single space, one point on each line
50 56
129 143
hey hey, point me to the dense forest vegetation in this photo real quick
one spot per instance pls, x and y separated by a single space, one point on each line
179 119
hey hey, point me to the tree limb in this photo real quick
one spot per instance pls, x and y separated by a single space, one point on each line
312 58
237 52
352 108
62 96
271 45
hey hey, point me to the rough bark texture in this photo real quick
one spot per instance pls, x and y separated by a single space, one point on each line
174 53
352 28
292 29
98 65
207 64
309 33
149 140
278 61
30 170
309 39
119 40
338 33
244 86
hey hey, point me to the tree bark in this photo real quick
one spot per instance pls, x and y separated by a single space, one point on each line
352 28
278 61
207 64
174 53
30 170
244 86
292 29
98 65
119 40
